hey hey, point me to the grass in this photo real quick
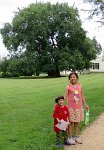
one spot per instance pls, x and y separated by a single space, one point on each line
26 107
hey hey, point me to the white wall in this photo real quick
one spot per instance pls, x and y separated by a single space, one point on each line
99 60
65 72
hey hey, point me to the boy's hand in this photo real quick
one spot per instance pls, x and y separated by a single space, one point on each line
59 121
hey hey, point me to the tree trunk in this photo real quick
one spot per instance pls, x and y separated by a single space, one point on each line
54 73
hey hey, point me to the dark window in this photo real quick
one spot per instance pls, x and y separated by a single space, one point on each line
95 65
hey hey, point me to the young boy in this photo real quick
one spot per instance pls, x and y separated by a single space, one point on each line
60 113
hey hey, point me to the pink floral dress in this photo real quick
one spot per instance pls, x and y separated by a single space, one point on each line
75 104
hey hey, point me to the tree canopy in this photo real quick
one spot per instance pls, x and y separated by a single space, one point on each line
49 38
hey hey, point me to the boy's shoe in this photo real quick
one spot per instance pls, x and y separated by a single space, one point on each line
77 140
71 141
66 143
59 145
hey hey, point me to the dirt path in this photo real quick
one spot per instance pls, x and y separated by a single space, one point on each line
92 137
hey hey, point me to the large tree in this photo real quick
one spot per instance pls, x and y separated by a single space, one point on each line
97 9
53 35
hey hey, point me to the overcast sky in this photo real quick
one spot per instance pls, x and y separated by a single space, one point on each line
8 7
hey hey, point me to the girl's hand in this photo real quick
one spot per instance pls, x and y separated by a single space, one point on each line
86 107
68 122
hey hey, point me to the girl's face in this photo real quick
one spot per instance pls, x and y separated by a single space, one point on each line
73 79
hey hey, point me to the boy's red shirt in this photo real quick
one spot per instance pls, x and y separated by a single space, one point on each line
60 113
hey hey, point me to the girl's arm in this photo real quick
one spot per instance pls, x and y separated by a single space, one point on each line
83 100
68 120
66 94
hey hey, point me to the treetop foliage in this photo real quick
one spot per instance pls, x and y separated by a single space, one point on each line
97 9
49 36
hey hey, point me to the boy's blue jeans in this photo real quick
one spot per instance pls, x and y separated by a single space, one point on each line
61 137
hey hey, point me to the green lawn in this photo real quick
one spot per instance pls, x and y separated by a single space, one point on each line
26 107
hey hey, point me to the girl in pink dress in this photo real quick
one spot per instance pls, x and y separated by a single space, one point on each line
75 102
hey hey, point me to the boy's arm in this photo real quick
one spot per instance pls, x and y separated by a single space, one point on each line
55 115
59 121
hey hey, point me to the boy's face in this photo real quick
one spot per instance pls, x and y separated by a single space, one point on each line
60 102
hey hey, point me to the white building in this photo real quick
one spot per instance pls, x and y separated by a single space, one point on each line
98 64
65 73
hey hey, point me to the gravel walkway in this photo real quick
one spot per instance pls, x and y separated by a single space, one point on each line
92 137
